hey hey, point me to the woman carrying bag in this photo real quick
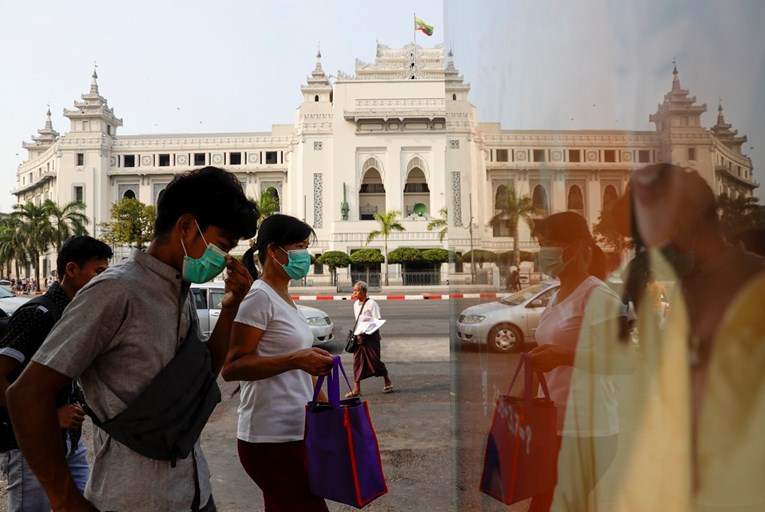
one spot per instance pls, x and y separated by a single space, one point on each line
272 356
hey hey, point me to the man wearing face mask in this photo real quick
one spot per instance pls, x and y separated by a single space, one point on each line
272 356
120 332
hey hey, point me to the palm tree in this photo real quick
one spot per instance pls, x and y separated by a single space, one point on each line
66 221
268 204
35 231
388 224
441 222
513 208
12 249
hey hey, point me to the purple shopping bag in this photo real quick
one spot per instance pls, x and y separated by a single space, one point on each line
342 453
522 446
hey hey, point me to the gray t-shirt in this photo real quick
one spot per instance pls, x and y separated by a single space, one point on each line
115 337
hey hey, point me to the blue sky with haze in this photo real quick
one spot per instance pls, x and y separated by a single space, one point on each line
237 66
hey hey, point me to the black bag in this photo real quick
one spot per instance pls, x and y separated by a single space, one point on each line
166 419
7 438
352 342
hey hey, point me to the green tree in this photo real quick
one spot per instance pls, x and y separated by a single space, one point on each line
67 221
367 257
35 231
739 214
268 204
132 224
440 223
437 255
12 248
609 229
514 208
388 224
405 255
334 260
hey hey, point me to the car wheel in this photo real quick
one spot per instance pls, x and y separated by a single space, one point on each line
504 338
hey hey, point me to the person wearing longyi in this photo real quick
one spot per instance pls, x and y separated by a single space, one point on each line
272 355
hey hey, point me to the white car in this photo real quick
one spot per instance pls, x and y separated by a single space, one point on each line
508 324
208 296
9 302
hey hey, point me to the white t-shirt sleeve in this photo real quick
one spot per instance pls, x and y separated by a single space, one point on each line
256 309
372 308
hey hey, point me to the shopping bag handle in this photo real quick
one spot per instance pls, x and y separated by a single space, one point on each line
333 383
525 363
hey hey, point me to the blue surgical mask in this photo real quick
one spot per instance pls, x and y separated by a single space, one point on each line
298 264
206 267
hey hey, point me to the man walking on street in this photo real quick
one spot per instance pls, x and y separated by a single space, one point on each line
123 330
80 259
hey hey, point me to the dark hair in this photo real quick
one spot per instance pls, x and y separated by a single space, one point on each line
281 230
570 227
79 250
213 196
752 239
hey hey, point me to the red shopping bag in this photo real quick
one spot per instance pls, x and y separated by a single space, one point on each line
521 447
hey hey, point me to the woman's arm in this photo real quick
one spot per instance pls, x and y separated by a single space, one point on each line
243 364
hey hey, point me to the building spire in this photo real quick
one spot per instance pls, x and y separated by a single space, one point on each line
675 76
48 121
94 81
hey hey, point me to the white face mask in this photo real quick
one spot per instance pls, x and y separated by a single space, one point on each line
551 260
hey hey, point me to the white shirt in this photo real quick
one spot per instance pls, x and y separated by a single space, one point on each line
272 410
370 308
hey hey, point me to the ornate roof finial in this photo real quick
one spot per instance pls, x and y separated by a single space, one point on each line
94 81
676 78
720 118
48 121
318 51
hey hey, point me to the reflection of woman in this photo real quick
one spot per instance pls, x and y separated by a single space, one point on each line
701 400
271 354
366 358
581 318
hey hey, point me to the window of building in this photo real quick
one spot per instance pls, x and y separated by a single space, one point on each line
86 126
271 157
454 144
501 155
128 161
80 159
692 154
199 158
129 194
164 160
609 155
574 155
575 199
644 156
372 188
318 268
539 200
79 193
235 158
316 98
318 145
454 97
609 195
539 155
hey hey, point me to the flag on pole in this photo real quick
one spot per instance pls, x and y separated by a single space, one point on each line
424 27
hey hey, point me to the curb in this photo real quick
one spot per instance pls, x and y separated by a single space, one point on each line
404 297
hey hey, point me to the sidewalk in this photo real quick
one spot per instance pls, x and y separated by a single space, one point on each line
481 291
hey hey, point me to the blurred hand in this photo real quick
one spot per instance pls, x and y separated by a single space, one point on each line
315 361
237 283
547 357
71 417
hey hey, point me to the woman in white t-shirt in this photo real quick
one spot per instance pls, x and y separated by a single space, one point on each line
271 354
579 349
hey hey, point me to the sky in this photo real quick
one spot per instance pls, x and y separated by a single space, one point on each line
237 66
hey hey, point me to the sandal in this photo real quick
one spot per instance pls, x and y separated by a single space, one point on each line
351 394
388 389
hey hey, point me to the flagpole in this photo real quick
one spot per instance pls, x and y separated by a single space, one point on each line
414 39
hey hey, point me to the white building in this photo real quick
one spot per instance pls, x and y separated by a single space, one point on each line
399 132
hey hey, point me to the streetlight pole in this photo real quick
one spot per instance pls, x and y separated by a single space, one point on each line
470 230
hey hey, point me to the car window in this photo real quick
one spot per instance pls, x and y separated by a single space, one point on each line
200 301
546 296
216 297
523 295
5 294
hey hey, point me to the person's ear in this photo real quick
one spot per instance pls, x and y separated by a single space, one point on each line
186 226
71 270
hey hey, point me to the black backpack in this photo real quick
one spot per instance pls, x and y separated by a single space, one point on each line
7 439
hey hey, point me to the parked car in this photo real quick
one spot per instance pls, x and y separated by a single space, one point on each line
9 302
508 324
208 296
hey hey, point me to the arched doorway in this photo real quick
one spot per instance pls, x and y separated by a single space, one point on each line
575 200
609 195
540 202
416 189
502 226
371 191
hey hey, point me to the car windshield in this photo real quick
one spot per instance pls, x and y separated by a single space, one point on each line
5 294
523 295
